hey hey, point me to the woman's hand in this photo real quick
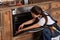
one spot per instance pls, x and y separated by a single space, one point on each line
21 26
18 32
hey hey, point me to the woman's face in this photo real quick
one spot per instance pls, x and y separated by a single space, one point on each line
35 16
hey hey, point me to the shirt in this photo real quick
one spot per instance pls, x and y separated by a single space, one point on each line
42 20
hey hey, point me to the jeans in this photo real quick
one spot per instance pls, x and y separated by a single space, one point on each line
47 35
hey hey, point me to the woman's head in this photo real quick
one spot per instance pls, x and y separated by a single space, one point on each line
36 11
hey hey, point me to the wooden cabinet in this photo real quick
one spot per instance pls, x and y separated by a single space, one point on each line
7 25
6 0
8 28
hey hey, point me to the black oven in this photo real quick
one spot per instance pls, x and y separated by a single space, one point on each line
18 19
19 16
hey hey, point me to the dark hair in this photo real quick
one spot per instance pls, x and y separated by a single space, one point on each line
38 10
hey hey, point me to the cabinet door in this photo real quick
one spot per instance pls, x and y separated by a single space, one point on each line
7 25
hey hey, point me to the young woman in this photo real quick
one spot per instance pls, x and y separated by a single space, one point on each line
44 20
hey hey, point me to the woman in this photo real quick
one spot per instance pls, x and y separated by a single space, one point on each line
44 20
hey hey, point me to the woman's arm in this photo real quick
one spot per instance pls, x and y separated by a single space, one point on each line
31 27
29 22
26 23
